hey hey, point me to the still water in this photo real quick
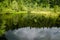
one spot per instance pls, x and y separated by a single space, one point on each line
34 34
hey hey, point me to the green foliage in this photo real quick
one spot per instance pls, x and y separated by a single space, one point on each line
20 19
2 24
23 13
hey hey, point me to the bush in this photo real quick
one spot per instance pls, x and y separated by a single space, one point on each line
24 19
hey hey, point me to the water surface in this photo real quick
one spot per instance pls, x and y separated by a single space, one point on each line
34 34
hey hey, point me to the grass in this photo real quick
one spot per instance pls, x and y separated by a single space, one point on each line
13 19
21 14
16 15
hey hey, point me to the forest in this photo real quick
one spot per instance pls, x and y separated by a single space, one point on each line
33 13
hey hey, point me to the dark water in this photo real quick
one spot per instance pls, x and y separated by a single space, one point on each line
33 34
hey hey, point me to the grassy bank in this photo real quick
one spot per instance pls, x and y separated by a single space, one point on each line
23 13
24 19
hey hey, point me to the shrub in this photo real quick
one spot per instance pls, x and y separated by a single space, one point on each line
24 19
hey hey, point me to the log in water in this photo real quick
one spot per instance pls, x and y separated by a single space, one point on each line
33 34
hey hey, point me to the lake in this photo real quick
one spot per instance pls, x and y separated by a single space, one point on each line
28 33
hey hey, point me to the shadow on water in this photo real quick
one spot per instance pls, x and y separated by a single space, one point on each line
34 34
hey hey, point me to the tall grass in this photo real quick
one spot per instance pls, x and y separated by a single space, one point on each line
23 13
17 19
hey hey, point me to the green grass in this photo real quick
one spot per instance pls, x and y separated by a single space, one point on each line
38 19
19 14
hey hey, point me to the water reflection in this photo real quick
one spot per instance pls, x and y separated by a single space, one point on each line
34 34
